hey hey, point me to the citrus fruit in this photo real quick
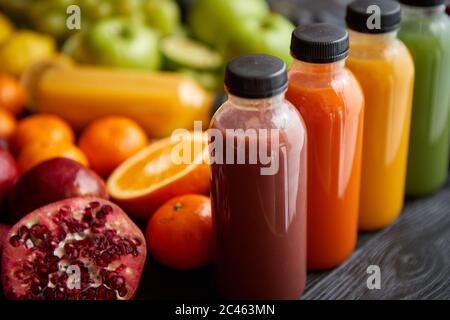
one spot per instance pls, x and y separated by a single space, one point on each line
22 49
6 28
180 233
151 177
12 95
37 152
109 141
7 125
41 128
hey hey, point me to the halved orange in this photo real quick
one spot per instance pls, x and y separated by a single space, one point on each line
165 169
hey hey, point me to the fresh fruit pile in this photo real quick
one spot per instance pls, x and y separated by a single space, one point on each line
67 241
62 232
149 34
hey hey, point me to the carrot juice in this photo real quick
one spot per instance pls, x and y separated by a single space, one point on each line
331 103
385 70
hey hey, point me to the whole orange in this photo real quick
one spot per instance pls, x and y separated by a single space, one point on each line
7 125
180 232
109 141
37 152
12 95
41 128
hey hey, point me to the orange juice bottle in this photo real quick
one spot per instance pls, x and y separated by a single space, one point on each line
159 101
331 103
385 70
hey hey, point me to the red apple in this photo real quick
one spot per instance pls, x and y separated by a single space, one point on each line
50 181
9 172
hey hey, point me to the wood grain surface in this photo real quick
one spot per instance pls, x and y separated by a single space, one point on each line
413 255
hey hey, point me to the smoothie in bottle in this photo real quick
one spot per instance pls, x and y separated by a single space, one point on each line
425 30
385 70
259 206
331 103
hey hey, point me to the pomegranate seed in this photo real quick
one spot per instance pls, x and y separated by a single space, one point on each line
42 270
53 278
107 209
123 291
36 289
59 295
94 204
39 231
27 265
24 233
91 293
35 279
117 282
64 210
99 223
101 263
110 234
15 241
105 256
48 293
52 259
137 242
53 267
101 292
71 251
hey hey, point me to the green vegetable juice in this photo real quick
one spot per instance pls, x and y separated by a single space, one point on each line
426 32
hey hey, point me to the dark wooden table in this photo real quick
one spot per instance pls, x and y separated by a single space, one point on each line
413 255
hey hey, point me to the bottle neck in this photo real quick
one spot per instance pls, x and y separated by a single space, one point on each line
372 38
422 12
315 68
257 104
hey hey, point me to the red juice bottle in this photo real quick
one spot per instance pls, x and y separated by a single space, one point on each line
258 184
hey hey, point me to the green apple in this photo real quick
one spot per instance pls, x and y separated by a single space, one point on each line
121 42
209 20
130 8
96 9
163 15
271 35
49 17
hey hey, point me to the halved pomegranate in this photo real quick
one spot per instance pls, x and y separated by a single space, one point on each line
4 228
76 249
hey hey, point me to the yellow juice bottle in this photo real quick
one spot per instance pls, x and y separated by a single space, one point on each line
385 70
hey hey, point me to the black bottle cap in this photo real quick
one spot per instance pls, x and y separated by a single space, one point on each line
423 3
256 76
360 14
319 43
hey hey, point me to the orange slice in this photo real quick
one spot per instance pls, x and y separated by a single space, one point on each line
165 169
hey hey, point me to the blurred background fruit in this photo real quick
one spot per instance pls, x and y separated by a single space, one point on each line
121 42
180 233
9 172
44 128
163 15
151 177
6 28
50 181
109 141
12 95
7 125
39 151
24 48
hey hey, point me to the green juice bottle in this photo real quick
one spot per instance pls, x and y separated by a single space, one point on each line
425 30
